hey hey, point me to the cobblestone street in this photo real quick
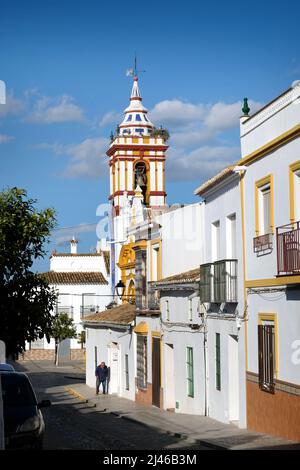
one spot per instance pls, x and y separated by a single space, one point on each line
73 424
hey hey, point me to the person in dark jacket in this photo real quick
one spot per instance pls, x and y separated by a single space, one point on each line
101 377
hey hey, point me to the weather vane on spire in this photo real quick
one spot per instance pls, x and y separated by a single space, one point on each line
133 72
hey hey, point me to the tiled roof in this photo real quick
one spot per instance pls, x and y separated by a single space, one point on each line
188 276
54 277
214 180
56 253
106 256
123 314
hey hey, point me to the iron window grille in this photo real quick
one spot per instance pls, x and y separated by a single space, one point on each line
141 347
225 281
266 358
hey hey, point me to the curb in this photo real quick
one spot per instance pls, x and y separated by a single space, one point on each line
134 420
76 394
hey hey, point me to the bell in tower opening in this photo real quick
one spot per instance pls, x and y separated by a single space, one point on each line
140 172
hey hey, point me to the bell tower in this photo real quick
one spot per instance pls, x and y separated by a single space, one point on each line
137 156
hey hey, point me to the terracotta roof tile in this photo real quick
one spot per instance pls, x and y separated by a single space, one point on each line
188 276
54 277
106 255
214 180
123 314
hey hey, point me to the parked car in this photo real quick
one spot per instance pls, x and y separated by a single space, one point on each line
23 421
7 367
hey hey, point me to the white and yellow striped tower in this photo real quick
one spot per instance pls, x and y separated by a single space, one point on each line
137 156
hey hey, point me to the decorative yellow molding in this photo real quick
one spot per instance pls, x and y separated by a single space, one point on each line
242 192
141 328
258 185
278 281
270 146
292 168
271 317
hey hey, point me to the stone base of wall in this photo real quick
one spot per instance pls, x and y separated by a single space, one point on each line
49 355
144 396
77 354
277 414
37 355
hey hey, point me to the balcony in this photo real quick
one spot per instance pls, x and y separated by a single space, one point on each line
218 281
65 309
263 243
206 276
288 249
225 281
88 310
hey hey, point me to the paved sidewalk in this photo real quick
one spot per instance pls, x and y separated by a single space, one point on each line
196 429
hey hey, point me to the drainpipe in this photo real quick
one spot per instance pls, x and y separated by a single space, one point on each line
205 350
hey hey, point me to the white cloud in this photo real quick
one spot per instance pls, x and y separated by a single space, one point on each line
111 117
13 106
200 163
176 113
52 110
64 235
5 138
86 159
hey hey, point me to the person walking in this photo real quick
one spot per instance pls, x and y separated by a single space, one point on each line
101 374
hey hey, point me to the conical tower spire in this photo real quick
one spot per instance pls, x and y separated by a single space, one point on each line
136 121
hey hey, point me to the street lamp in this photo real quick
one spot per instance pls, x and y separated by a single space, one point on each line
119 286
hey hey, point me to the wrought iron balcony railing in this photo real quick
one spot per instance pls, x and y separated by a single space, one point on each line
88 310
225 281
65 309
288 249
218 281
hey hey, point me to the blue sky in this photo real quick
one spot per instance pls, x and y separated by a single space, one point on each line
64 66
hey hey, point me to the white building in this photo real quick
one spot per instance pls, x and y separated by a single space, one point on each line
270 142
109 338
82 283
222 297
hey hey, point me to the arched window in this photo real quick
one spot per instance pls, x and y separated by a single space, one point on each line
141 178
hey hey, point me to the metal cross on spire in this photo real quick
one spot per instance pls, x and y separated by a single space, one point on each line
133 72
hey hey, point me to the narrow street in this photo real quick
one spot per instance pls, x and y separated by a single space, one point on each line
73 424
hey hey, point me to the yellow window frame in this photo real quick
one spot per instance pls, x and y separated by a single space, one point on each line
269 179
292 169
272 317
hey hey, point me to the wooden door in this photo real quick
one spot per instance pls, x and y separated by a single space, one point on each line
156 371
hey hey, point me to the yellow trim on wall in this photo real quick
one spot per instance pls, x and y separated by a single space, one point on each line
271 317
242 192
270 146
269 179
141 328
292 168
278 281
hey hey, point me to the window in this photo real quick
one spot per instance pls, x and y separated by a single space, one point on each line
155 262
138 117
190 372
218 362
264 206
266 356
141 351
215 240
146 119
141 131
190 307
295 192
126 372
231 236
129 118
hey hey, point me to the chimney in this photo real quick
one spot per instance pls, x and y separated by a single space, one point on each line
73 243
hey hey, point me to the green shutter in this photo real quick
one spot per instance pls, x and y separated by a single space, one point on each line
218 362
190 372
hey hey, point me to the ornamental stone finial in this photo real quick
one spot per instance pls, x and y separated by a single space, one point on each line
245 108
